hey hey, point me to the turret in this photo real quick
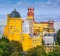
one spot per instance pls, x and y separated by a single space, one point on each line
51 24
30 12
30 17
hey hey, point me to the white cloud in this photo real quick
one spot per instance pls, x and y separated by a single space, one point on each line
36 3
56 2
19 3
53 2
23 4
48 3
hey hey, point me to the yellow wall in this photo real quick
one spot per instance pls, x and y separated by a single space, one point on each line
30 17
36 25
5 31
37 41
26 42
13 29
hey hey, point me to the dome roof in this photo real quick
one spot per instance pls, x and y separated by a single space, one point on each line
15 14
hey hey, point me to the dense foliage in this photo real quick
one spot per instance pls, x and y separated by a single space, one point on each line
58 37
14 48
37 51
8 48
56 52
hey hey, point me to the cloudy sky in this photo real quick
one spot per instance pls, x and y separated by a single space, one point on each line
44 9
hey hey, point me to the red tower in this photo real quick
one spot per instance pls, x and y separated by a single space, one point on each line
51 23
30 12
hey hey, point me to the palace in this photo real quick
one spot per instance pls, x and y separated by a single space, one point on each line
27 32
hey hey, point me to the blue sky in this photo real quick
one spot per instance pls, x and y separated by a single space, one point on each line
44 9
42 6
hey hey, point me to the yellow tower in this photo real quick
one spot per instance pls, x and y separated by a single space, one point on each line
13 29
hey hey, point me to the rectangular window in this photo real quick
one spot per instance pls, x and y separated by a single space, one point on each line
10 26
14 20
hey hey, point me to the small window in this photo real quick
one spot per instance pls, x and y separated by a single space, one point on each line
49 34
10 26
19 20
47 25
14 26
33 40
37 40
14 20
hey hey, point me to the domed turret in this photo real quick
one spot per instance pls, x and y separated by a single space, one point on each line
15 14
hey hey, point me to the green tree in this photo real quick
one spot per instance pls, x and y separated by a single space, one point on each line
32 52
15 47
4 40
56 51
4 47
37 51
10 48
1 51
58 37
52 54
40 51
15 54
